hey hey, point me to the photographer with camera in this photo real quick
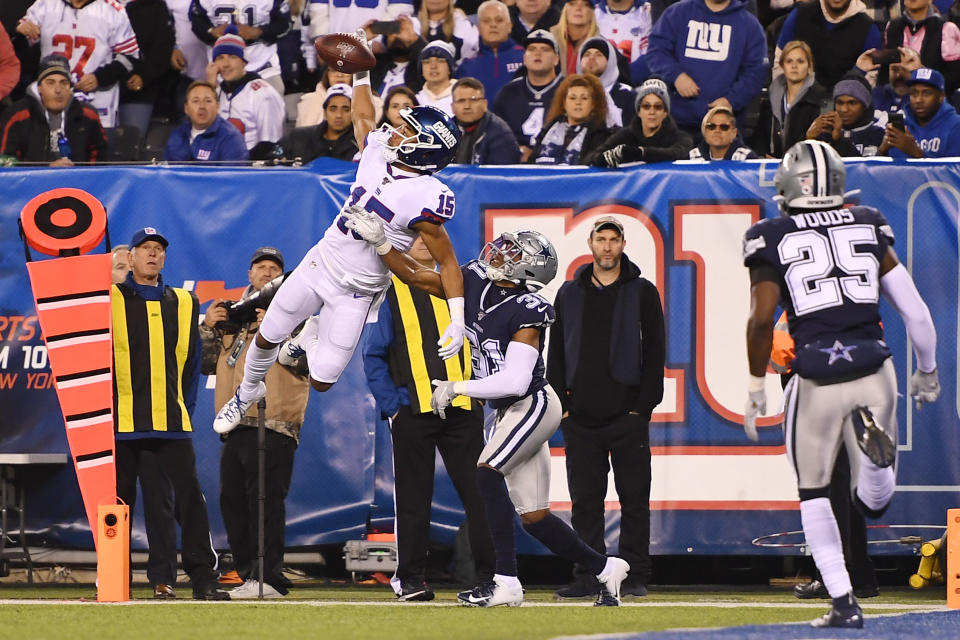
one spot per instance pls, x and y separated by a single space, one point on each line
225 347
930 127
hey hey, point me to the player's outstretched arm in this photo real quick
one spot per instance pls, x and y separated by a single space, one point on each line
362 112
900 291
369 227
512 379
764 295
438 242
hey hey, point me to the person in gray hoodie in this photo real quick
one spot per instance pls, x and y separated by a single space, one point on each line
599 58
795 101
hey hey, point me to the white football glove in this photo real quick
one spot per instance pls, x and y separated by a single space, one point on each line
756 405
924 387
368 226
451 342
443 395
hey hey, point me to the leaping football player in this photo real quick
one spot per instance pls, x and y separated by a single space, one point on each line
507 322
341 278
827 264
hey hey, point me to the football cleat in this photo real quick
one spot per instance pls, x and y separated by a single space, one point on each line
873 440
291 350
250 590
415 591
610 580
232 413
492 594
845 613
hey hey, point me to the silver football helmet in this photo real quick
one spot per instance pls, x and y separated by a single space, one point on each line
525 258
811 176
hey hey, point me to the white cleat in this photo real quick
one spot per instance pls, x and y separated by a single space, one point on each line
250 590
610 579
492 594
291 350
232 413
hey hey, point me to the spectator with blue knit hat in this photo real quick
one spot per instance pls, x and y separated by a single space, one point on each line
248 102
437 64
851 127
932 124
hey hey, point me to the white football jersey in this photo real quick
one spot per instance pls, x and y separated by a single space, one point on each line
89 37
261 56
349 15
401 199
193 49
257 110
629 31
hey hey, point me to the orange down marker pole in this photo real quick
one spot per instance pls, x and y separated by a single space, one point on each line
953 558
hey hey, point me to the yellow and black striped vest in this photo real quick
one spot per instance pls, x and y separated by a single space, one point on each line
418 321
152 341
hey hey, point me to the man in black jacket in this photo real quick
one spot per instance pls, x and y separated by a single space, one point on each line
609 378
486 138
332 138
48 125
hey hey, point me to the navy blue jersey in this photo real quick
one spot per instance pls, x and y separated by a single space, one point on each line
493 315
828 263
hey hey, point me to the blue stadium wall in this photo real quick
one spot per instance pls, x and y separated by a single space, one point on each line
713 490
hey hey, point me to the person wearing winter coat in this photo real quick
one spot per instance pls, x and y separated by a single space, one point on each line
600 58
576 123
795 100
484 137
652 136
852 127
49 124
721 140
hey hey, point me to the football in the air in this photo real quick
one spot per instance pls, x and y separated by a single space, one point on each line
345 52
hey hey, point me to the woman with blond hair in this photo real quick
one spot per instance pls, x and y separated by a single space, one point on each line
439 20
576 122
577 23
310 106
795 100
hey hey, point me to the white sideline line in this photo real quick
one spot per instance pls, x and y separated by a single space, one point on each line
388 603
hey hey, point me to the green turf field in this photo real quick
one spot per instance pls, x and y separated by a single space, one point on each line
339 612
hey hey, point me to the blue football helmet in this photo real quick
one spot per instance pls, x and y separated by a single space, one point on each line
433 144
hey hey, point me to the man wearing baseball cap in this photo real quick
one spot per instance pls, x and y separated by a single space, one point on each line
932 124
332 138
155 391
607 353
524 101
224 353
48 125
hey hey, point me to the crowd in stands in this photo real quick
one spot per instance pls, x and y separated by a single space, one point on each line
588 82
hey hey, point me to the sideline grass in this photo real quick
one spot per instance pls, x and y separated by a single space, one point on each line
302 616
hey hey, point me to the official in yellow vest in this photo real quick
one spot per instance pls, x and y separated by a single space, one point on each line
400 359
156 355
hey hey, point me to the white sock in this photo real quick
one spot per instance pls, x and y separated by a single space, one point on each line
507 581
255 369
823 538
875 486
607 568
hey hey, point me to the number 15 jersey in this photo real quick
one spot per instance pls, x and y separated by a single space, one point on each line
828 268
400 198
